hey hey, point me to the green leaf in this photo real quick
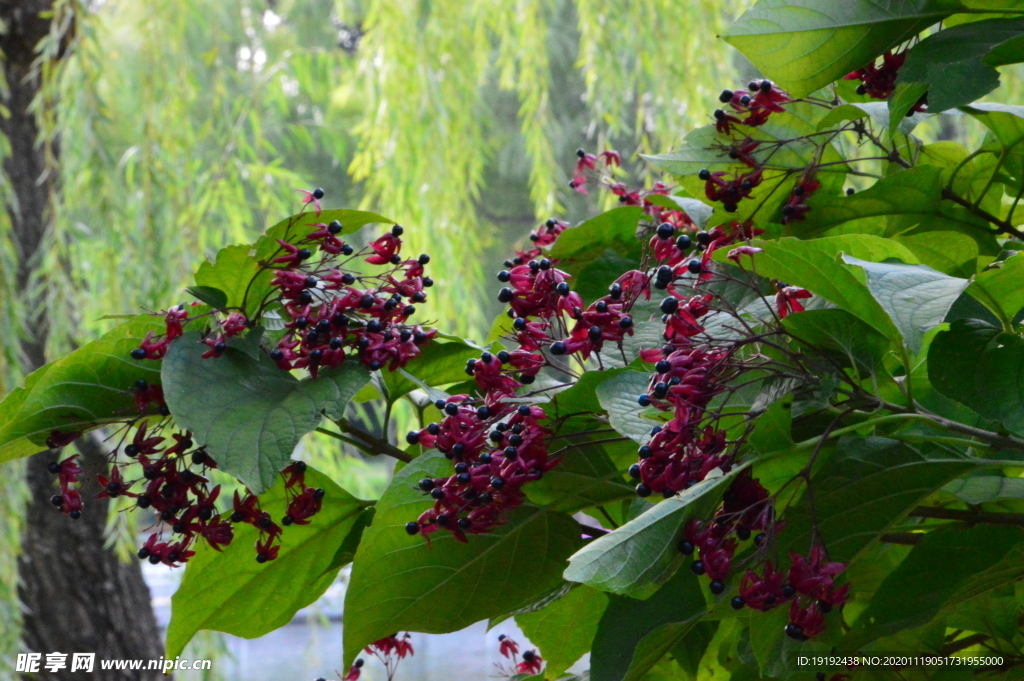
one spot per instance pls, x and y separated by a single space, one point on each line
565 629
915 193
927 579
807 44
633 635
948 252
402 583
637 558
229 591
865 488
982 489
837 332
1006 122
613 229
618 396
956 66
1000 288
974 365
82 390
816 266
586 477
248 413
691 648
213 297
707 148
916 297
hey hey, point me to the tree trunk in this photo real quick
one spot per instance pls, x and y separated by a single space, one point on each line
77 596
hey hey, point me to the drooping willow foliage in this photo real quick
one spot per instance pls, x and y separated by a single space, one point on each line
184 125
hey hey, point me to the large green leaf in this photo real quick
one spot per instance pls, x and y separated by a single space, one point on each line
865 488
707 148
618 395
916 297
1001 288
1006 122
248 413
402 583
229 591
980 489
634 635
957 66
614 229
837 332
927 580
970 364
584 478
237 270
807 44
565 629
637 558
915 194
817 266
80 391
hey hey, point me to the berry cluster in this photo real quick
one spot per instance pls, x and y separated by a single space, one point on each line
497 446
809 585
531 664
763 99
329 307
689 372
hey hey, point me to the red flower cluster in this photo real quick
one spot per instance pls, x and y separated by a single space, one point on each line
809 587
497 448
392 645
390 650
327 314
688 374
179 496
329 309
532 662
763 99
730 189
69 501
879 81
589 162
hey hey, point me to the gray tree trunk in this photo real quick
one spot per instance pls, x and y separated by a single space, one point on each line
76 595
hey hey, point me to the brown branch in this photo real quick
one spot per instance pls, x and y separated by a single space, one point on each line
973 517
372 444
964 643
1002 226
905 538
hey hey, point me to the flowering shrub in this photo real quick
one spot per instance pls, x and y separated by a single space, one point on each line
736 420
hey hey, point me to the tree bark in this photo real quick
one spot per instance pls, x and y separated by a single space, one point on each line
76 595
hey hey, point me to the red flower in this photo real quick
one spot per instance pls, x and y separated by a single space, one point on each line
312 197
787 300
354 671
507 646
531 663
